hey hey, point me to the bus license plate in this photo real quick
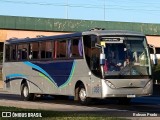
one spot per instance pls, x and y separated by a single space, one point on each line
131 96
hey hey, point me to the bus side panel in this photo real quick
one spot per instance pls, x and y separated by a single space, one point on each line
53 77
92 84
80 74
11 79
61 76
15 72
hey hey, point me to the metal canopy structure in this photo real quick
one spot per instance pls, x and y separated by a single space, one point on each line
69 25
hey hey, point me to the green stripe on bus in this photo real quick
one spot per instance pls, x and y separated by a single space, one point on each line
42 75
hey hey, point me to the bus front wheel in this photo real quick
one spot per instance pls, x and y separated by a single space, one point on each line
82 95
26 96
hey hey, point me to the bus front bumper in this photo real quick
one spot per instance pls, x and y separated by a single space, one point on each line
126 92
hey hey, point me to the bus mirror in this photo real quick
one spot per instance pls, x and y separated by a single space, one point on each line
102 55
102 59
155 61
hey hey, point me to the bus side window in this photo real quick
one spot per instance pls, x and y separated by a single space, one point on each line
42 49
22 51
49 49
55 49
61 51
75 48
87 49
13 52
46 49
95 52
7 53
80 48
34 50
69 48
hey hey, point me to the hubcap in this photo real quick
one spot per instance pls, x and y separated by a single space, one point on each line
25 91
82 94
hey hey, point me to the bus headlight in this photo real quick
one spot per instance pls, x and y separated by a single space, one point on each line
110 84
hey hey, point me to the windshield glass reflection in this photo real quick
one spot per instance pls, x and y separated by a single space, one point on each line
128 58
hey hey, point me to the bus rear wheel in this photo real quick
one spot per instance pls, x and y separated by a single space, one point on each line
26 96
82 96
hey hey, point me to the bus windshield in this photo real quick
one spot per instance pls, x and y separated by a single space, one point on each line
126 56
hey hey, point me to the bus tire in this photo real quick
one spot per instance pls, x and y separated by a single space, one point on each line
26 96
82 98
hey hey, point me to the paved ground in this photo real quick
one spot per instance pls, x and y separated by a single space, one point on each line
138 105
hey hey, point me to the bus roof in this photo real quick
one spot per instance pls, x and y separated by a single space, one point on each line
113 32
44 38
78 34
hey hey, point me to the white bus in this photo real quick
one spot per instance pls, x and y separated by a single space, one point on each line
92 64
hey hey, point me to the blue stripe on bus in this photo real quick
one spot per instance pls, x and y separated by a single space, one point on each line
39 69
70 76
58 72
13 76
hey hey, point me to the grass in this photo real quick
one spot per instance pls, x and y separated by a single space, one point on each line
55 115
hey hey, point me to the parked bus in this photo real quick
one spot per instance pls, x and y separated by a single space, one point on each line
92 64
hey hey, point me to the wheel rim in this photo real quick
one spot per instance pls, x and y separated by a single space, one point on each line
25 91
82 94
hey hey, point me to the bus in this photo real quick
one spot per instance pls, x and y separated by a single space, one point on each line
95 64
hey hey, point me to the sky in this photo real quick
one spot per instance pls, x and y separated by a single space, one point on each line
143 11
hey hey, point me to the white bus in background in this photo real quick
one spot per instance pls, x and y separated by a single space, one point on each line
93 64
